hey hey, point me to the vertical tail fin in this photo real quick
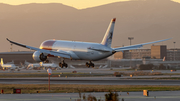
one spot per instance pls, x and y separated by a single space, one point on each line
2 61
109 34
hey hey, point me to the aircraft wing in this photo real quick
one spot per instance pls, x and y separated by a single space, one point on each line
132 47
63 54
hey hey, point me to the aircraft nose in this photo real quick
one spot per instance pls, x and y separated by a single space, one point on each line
47 45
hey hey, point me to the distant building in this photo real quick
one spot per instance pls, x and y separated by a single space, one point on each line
133 54
156 52
119 55
173 54
139 53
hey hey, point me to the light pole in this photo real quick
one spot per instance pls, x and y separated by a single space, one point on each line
130 38
11 47
174 50
49 73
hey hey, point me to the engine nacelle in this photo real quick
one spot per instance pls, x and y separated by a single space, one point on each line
39 57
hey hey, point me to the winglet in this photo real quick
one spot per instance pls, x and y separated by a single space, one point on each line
16 43
7 39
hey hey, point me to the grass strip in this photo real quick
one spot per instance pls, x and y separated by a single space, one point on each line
73 88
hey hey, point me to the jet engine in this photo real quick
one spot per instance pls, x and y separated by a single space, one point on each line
39 56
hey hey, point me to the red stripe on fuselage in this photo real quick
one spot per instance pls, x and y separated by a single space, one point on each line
49 55
46 48
47 45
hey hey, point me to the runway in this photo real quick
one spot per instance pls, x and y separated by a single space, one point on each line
88 80
133 96
88 70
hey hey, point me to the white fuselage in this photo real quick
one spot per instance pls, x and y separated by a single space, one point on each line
9 66
34 65
52 65
78 50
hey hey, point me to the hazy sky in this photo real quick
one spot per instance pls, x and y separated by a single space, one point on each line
79 4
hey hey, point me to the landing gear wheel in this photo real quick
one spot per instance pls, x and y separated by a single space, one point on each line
60 65
47 61
90 64
63 64
87 64
66 65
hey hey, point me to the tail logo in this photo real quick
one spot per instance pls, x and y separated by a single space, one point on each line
109 39
110 36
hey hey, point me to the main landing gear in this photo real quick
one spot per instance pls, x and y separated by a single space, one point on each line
90 64
46 61
63 64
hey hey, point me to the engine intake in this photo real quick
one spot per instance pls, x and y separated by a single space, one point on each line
39 57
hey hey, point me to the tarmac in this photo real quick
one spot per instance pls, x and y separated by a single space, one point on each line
125 80
88 70
88 80
133 96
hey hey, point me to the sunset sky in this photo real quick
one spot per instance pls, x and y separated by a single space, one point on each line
79 4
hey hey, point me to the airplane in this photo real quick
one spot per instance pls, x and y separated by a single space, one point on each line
33 66
52 65
80 50
12 62
40 65
8 66
26 63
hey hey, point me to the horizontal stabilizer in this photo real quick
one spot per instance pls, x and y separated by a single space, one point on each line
96 49
132 47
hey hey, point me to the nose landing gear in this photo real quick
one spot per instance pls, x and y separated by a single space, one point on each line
90 64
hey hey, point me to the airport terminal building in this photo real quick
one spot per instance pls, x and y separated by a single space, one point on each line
156 52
